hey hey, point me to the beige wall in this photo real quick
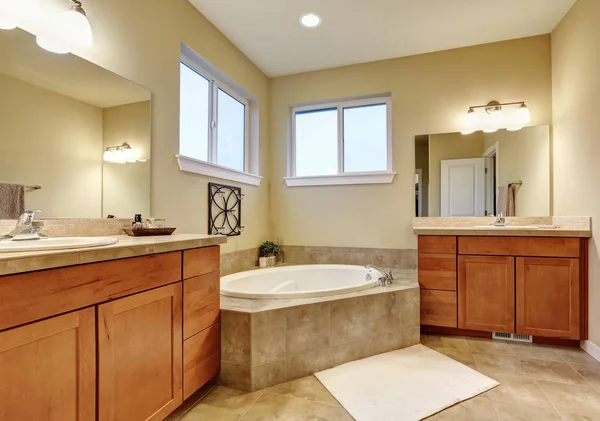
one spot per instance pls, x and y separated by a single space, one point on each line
576 130
140 40
430 94
54 141
449 146
525 155
126 187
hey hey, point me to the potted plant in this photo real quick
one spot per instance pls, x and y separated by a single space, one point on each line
268 254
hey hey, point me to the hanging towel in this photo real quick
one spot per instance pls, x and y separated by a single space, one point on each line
506 200
510 201
12 200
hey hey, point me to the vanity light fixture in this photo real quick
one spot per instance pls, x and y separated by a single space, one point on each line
121 154
310 20
14 12
69 29
496 116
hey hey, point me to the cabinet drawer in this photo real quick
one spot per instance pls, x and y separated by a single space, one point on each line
201 303
438 308
201 359
36 295
519 246
437 244
201 261
437 271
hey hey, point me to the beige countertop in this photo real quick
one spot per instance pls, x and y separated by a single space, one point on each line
19 262
504 232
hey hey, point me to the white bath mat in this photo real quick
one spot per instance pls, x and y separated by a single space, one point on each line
405 385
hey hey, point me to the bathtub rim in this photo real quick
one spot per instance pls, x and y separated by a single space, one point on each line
294 295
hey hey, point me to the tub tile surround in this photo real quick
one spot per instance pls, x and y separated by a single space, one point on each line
567 226
266 348
389 258
239 261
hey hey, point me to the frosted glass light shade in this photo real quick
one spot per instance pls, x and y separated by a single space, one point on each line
522 116
130 155
470 122
8 19
78 28
108 156
52 45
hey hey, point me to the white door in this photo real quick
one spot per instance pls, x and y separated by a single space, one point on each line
463 187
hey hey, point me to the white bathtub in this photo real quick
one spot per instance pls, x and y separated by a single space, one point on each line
299 281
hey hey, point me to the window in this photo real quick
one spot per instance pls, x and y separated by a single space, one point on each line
347 142
214 122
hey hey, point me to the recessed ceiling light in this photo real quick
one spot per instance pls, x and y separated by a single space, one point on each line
310 20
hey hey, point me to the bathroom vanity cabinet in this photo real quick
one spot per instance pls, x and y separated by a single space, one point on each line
125 339
527 285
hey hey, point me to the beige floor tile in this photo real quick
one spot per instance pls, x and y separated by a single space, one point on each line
271 407
460 355
570 398
477 409
203 412
452 342
309 388
569 416
517 412
589 372
535 351
553 371
518 389
494 363
235 401
575 355
488 346
323 412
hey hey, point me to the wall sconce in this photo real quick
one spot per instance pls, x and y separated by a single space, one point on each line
511 116
57 33
121 154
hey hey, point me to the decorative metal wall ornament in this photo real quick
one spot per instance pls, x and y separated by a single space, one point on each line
224 210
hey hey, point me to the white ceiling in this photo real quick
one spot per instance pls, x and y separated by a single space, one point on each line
359 31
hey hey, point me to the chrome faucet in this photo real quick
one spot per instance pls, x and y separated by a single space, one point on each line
26 228
500 220
385 279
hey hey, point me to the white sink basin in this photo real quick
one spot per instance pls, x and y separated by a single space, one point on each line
64 243
507 227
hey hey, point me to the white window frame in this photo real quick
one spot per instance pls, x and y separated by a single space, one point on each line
371 177
211 168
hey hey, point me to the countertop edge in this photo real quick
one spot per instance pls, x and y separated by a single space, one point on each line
466 231
12 264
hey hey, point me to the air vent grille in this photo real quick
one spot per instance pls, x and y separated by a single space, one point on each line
515 337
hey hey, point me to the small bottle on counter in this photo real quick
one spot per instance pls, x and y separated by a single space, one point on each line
137 221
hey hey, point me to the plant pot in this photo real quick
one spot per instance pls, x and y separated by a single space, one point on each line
262 262
271 261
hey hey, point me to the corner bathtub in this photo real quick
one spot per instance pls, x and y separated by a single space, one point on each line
299 281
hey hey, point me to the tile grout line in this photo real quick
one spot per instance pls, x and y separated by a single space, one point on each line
262 392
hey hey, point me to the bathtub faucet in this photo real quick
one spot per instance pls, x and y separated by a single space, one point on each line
385 279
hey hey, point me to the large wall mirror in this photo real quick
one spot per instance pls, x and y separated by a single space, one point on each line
483 173
58 115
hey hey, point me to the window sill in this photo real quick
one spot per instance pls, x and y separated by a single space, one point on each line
384 177
211 170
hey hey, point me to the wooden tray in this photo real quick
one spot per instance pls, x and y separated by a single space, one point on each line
142 232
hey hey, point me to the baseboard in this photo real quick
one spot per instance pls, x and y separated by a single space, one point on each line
591 348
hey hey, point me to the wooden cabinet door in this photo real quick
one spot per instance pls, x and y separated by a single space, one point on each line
48 369
548 297
140 356
486 293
